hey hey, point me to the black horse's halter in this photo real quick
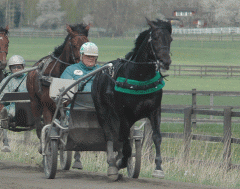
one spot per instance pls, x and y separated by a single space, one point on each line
159 64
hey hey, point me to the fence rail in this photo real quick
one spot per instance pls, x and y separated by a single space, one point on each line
224 33
196 70
204 71
178 108
187 134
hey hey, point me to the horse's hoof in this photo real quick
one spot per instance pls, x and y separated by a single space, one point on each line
113 173
6 149
158 174
120 164
77 165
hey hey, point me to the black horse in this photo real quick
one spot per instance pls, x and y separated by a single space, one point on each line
132 90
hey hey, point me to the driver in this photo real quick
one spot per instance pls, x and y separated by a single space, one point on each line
87 64
17 84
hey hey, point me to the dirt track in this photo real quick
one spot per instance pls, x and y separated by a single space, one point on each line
22 176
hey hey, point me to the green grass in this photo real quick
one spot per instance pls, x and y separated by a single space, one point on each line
205 52
211 175
183 52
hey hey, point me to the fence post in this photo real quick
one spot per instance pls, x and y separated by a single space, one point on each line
174 68
227 137
187 132
194 104
211 103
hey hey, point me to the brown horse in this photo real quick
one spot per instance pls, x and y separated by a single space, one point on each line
3 62
53 66
3 50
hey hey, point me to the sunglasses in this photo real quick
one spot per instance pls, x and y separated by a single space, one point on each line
19 67
16 67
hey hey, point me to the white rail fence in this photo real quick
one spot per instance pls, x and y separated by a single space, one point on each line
97 33
225 30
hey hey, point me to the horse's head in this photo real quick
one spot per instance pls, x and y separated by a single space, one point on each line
77 36
160 40
3 47
70 49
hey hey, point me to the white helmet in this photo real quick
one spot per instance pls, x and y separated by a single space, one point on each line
16 59
89 48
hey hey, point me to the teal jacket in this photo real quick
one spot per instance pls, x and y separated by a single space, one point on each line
77 71
16 82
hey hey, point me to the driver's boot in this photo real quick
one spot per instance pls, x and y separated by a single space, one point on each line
77 163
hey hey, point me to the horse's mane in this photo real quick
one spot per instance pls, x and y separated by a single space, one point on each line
4 30
160 24
80 28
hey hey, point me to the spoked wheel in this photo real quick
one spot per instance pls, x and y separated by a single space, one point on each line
134 162
65 156
50 159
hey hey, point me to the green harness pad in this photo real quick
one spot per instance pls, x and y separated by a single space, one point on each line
140 83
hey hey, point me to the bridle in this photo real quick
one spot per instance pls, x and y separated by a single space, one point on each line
148 39
70 38
73 57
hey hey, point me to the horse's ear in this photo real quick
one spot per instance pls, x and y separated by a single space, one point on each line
69 29
7 28
150 23
88 27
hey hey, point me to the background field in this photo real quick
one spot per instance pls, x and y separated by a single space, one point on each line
183 53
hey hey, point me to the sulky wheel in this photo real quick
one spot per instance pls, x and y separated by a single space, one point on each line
50 159
134 162
65 156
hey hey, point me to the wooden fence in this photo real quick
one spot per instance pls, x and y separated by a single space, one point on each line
169 108
227 139
190 113
195 70
204 70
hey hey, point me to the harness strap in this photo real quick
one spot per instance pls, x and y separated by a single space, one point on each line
45 63
139 87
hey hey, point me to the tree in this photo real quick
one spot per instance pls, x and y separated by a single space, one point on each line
225 12
30 12
50 16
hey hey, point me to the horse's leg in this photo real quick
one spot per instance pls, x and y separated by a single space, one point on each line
104 118
123 137
111 160
37 110
155 119
77 164
6 147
